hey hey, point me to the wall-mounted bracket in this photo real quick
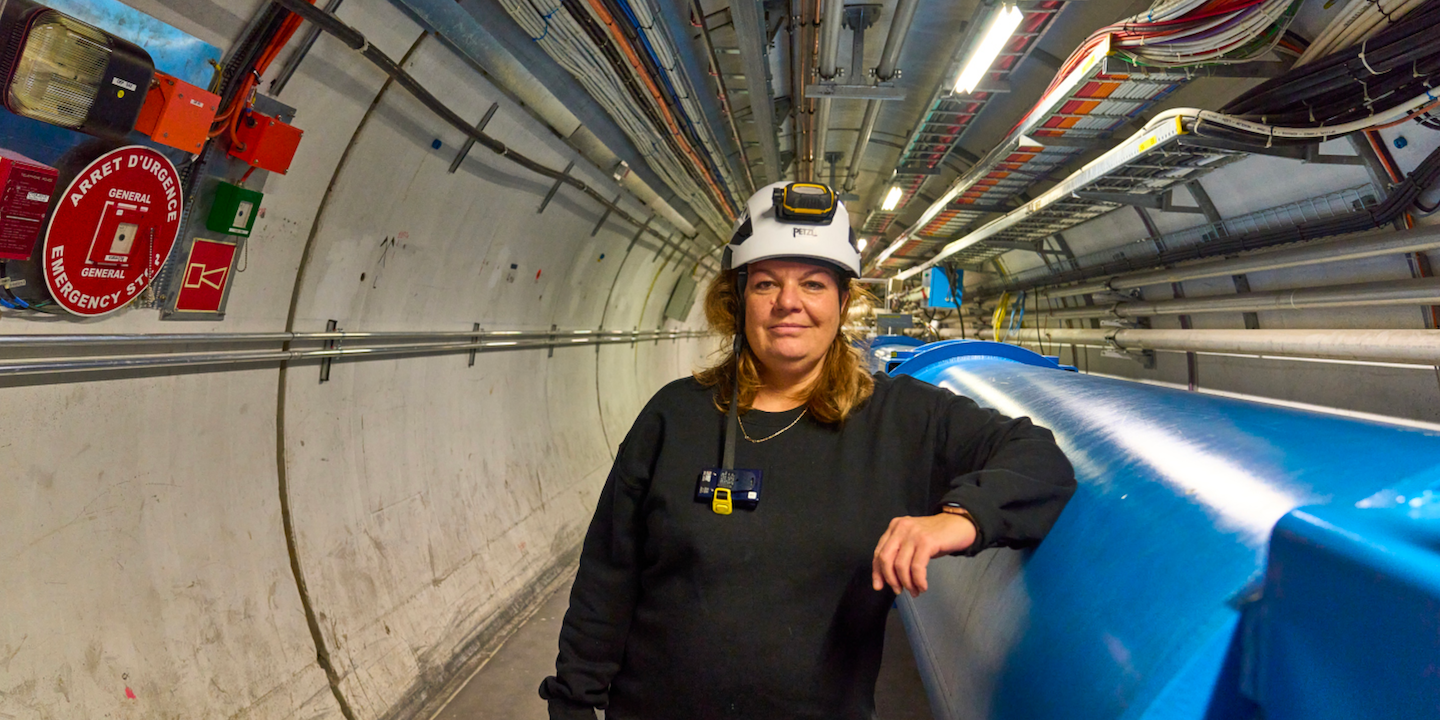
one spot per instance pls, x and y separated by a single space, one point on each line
330 326
555 188
470 141
606 215
853 92
475 339
639 234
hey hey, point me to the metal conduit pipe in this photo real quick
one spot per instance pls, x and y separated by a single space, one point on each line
50 366
889 56
1418 291
1355 247
1412 347
828 68
86 340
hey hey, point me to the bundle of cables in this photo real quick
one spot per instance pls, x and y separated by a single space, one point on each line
1183 33
1357 22
242 76
1385 75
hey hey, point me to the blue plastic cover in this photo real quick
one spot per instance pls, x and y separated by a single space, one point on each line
1141 602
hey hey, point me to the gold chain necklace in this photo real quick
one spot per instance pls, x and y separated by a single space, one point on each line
772 437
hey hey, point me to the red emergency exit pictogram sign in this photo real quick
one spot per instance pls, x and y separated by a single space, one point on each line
203 287
111 230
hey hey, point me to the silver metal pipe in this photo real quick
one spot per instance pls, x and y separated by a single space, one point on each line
1418 291
884 72
822 129
867 126
47 366
83 340
830 39
895 39
1353 247
1411 347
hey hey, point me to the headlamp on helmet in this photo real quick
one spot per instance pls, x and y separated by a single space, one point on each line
805 202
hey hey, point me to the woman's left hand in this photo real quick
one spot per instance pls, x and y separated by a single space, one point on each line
908 545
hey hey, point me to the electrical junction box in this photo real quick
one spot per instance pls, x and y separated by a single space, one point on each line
937 288
177 113
265 142
25 190
234 210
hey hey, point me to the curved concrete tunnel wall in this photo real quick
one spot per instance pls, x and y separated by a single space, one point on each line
430 503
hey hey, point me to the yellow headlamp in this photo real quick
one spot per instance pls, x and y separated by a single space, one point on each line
805 202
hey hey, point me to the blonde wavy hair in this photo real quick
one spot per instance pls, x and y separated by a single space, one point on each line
844 380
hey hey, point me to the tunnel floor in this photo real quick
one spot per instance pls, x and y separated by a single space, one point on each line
505 688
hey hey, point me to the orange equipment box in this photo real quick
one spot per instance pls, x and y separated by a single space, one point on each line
177 113
265 142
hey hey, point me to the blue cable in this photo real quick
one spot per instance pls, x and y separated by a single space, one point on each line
630 15
546 17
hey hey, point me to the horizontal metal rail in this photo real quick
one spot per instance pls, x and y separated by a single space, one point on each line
1417 291
1408 347
344 345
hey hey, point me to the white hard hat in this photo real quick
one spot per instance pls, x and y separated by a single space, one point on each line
794 220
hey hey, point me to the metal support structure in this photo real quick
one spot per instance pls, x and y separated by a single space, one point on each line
750 33
1163 201
470 141
1355 247
1304 153
555 188
638 234
478 334
884 72
1203 201
1242 287
724 93
330 345
605 216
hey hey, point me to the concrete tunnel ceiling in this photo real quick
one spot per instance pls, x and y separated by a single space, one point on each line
323 456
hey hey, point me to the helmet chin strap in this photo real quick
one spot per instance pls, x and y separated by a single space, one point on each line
732 424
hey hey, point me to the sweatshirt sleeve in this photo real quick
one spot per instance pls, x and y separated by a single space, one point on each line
607 585
1009 474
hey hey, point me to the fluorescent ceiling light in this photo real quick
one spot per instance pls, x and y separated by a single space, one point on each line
1002 26
862 243
892 198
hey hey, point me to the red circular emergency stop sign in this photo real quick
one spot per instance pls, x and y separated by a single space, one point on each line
111 230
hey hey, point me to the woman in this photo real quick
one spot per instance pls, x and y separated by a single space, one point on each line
694 600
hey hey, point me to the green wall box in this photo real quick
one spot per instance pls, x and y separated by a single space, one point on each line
234 210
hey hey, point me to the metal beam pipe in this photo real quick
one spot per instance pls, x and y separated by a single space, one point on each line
1355 247
751 35
1412 347
1418 291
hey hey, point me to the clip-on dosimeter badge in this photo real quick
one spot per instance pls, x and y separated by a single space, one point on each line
725 487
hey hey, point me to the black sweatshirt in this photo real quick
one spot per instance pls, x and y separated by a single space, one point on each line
678 613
